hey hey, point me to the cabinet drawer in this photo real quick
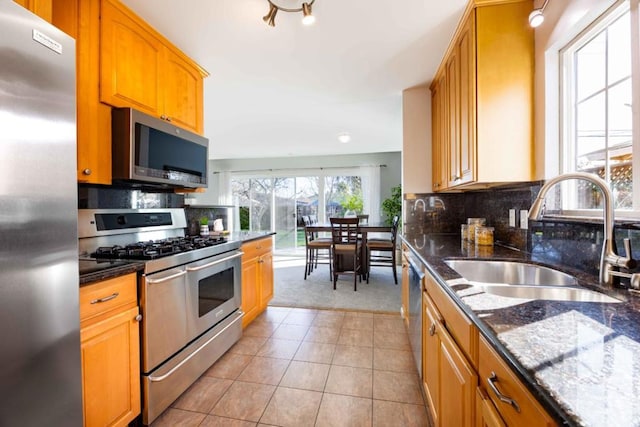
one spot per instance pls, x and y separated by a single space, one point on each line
457 323
256 248
530 411
103 297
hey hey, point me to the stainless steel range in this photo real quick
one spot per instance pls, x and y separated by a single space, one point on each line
189 294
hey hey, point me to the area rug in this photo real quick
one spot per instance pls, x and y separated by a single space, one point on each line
292 290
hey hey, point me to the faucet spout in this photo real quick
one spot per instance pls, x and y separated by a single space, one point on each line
415 205
609 259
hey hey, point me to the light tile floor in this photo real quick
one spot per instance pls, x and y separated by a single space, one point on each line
300 367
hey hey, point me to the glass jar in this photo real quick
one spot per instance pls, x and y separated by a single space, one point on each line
472 224
484 236
464 232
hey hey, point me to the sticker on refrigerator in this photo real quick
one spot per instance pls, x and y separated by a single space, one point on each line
47 41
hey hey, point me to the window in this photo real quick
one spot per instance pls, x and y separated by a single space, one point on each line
597 123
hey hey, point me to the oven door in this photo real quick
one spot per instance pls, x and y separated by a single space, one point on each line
164 316
213 290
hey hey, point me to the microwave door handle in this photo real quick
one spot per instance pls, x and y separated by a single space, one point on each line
211 264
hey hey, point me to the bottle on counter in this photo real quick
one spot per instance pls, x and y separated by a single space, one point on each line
472 224
484 236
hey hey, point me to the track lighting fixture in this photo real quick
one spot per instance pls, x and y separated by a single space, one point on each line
536 17
270 17
307 16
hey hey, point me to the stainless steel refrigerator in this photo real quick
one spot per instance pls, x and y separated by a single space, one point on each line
40 373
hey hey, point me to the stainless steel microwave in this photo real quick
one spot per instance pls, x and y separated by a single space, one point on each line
148 150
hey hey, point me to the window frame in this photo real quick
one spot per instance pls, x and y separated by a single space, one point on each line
567 105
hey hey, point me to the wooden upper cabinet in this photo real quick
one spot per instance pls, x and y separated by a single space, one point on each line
183 99
487 74
140 69
42 8
130 59
81 20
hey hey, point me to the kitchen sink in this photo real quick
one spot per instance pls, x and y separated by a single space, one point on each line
514 279
553 293
510 273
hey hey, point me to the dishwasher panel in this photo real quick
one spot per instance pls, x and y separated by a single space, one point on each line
416 285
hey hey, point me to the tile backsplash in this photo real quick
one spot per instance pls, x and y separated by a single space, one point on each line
574 244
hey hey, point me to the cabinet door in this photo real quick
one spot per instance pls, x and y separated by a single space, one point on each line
250 295
430 358
465 162
130 61
458 382
439 132
111 370
42 8
486 414
182 87
453 123
80 19
266 279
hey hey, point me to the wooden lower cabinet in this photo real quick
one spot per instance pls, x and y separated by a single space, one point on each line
458 367
525 409
257 277
110 352
486 413
449 379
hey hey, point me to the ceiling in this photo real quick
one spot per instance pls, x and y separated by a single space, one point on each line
292 89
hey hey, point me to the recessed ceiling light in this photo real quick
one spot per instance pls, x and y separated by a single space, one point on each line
344 137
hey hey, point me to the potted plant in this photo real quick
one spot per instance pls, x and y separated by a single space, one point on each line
352 205
392 206
204 226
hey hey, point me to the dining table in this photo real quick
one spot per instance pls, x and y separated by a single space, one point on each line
364 229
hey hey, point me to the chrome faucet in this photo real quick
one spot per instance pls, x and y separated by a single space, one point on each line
415 206
609 258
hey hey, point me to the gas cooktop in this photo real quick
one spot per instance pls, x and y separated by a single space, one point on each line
154 249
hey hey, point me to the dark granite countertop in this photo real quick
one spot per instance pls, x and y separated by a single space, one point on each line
92 270
247 236
580 359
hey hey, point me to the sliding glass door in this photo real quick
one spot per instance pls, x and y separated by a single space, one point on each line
281 204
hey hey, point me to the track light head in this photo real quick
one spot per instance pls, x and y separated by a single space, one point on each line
308 18
536 18
270 17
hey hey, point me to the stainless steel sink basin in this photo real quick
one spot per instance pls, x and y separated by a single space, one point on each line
510 273
554 293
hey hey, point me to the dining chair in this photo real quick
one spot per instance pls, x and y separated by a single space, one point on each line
315 249
385 250
346 249
363 218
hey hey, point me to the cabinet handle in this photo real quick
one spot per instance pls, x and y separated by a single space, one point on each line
432 329
138 318
105 299
163 117
457 178
168 118
86 171
509 401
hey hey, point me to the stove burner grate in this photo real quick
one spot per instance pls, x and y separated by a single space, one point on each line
157 248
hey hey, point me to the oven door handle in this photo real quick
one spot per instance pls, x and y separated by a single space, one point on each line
211 264
186 359
165 279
